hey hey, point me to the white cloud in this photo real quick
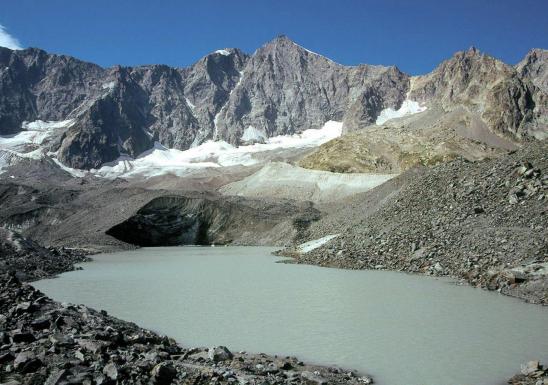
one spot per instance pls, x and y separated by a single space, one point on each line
8 41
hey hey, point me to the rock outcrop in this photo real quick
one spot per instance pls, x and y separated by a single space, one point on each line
534 66
510 105
31 261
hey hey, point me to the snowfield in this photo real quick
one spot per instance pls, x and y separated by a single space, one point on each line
161 160
253 135
408 107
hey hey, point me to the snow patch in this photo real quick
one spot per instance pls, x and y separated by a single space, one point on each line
314 244
254 135
30 142
72 171
408 107
40 125
316 54
189 103
109 86
223 52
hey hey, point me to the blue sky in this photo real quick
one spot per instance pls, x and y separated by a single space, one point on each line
414 35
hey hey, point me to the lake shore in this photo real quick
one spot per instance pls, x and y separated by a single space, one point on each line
43 339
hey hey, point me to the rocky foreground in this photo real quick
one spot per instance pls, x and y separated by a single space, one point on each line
532 373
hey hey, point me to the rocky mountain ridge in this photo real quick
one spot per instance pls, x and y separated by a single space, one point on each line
510 104
228 95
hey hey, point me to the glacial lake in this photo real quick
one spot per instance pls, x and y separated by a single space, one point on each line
399 328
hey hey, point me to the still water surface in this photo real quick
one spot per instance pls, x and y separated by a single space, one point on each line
402 329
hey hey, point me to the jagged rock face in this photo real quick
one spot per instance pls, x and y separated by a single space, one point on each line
535 67
121 110
281 89
382 88
115 123
285 88
208 86
35 85
147 104
494 90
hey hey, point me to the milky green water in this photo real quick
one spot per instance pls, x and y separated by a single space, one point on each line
402 329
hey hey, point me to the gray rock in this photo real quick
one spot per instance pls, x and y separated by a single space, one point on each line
163 374
313 379
219 353
26 362
285 89
56 377
507 103
535 67
530 368
19 336
111 371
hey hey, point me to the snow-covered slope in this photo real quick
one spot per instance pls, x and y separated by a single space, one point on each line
34 135
33 142
161 160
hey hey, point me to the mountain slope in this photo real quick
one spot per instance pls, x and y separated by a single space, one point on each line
285 88
227 95
510 105
476 106
483 221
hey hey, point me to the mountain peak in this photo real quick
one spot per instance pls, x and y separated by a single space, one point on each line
285 44
283 37
281 41
473 50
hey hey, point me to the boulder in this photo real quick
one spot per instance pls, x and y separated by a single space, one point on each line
219 353
26 362
163 374
111 371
